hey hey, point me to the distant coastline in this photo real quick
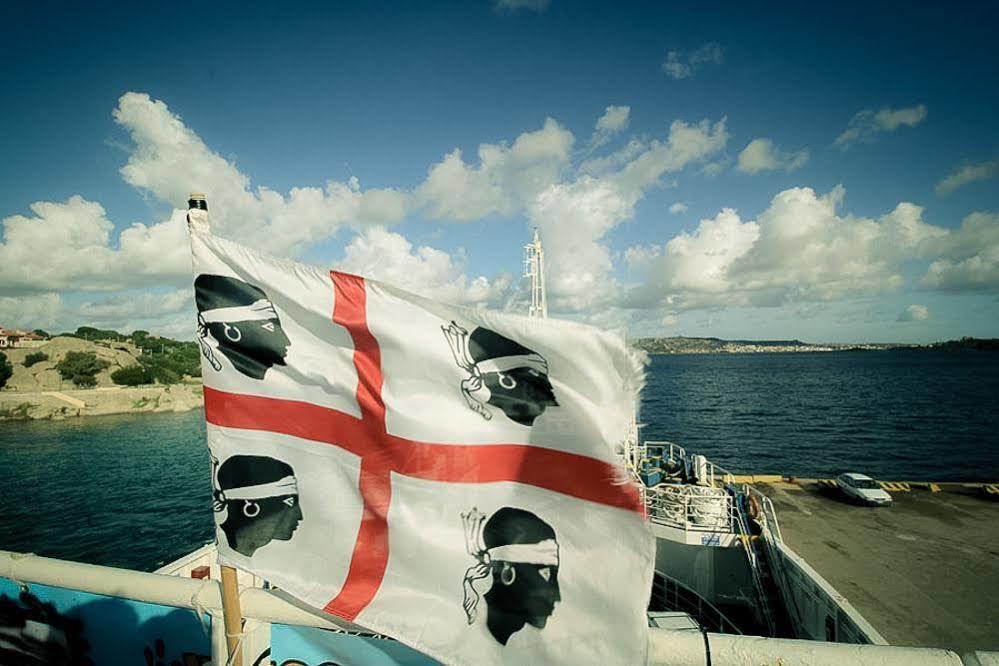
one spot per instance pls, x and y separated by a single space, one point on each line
685 345
37 391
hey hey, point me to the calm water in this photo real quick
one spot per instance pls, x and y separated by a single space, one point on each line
134 490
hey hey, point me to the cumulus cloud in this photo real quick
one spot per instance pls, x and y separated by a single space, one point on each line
573 207
169 161
75 239
683 65
967 174
574 217
516 5
762 155
678 208
801 248
503 181
968 257
387 256
914 313
867 124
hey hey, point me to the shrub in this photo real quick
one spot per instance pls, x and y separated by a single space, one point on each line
132 375
81 368
35 357
6 370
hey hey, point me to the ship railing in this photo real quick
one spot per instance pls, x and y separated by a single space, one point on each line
674 647
671 594
716 477
694 508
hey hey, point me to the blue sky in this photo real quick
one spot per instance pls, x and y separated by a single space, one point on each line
785 171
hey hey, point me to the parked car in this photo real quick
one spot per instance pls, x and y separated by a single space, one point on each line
863 489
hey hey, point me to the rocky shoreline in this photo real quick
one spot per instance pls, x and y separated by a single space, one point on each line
36 391
58 405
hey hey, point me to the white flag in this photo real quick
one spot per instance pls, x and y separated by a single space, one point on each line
442 475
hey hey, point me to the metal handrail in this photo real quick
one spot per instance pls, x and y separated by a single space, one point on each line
687 600
683 507
754 567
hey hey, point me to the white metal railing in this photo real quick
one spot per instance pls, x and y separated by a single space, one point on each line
695 508
677 648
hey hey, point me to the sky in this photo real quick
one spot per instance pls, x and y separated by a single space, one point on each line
827 172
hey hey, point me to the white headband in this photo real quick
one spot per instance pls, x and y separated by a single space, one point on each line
544 553
257 311
285 486
505 363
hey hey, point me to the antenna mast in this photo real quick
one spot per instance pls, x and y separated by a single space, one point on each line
534 268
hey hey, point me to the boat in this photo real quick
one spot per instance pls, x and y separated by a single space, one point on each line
725 584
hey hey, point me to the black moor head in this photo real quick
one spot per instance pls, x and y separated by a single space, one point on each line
239 321
502 373
258 499
519 551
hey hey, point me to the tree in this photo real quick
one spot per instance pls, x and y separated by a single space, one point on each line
35 357
81 368
42 333
132 375
6 370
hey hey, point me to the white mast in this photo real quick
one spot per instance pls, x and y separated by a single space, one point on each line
534 268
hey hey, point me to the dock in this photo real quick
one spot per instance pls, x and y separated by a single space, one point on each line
923 570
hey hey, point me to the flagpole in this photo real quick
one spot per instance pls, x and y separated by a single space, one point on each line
232 617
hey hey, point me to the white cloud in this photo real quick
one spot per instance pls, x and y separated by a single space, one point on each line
573 209
678 208
75 239
799 249
686 143
914 313
867 124
169 161
516 5
762 155
967 174
614 121
968 256
505 179
597 166
682 65
389 257
575 217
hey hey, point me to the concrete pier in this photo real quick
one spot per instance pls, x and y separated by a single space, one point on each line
924 570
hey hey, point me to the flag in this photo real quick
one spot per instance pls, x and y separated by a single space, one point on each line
443 475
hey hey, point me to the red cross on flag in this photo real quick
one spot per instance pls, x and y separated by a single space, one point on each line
442 475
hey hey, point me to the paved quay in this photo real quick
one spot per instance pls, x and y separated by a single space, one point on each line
924 570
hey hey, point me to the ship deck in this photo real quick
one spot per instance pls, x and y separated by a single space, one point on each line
924 570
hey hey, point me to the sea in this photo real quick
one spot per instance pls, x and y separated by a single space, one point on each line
134 491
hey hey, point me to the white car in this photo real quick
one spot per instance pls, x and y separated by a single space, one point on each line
862 488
